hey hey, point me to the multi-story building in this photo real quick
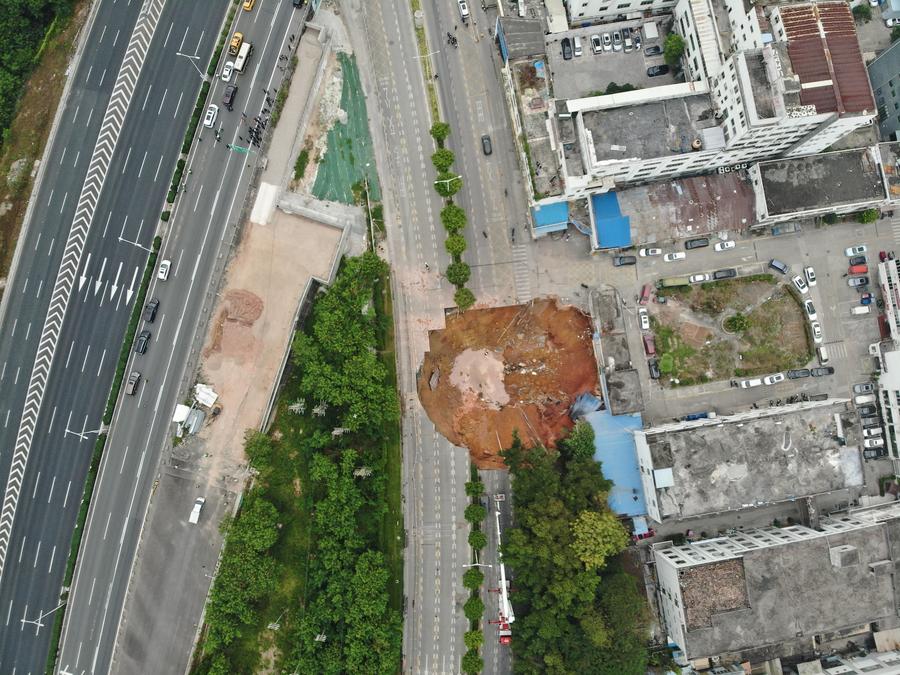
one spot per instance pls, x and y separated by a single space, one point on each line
746 460
581 11
758 87
774 592
884 75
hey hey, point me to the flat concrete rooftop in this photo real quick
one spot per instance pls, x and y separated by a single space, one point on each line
647 130
748 460
775 594
819 181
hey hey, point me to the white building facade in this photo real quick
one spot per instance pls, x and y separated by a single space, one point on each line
589 10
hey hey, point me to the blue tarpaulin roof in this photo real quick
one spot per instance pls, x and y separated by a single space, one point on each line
613 229
614 445
551 217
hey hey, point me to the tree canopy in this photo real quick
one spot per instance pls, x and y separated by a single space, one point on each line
576 610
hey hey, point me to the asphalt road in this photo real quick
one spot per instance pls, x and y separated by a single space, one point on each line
435 472
207 211
151 114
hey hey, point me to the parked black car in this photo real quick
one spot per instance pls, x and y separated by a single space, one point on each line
821 372
653 71
150 310
140 345
653 365
798 374
730 273
776 264
653 50
567 49
867 410
700 242
875 453
857 260
621 260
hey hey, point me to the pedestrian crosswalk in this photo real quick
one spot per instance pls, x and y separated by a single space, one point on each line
521 272
837 350
895 228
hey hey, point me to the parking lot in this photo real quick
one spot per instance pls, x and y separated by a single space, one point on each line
590 74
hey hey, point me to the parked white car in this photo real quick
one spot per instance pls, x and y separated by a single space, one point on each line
818 336
724 246
810 275
672 257
700 278
800 284
644 318
644 252
774 379
194 518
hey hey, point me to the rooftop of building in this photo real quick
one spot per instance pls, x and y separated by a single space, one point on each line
890 165
750 459
686 207
803 588
824 53
523 37
801 184
765 65
653 129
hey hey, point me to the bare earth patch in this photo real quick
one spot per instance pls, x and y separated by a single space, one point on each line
491 372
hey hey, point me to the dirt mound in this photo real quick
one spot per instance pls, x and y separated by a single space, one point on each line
231 332
493 371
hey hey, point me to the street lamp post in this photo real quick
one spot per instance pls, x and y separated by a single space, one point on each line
193 58
448 180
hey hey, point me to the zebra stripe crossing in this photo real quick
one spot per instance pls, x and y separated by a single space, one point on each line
521 272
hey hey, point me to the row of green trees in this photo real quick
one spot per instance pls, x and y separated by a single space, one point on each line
577 611
453 217
473 577
347 624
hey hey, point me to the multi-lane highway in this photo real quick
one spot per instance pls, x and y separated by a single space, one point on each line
92 221
435 472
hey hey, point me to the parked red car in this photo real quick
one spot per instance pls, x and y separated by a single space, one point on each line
649 344
645 293
859 269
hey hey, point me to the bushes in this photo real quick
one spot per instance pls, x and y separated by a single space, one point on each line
165 215
439 132
673 49
453 218
458 273
455 245
443 159
474 608
464 298
300 164
477 539
869 215
473 578
199 109
475 513
447 184
862 13
737 323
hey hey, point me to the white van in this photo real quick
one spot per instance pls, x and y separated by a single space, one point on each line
862 399
748 384
576 44
823 355
194 518
862 309
464 10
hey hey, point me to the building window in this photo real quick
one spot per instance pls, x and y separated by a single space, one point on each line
624 5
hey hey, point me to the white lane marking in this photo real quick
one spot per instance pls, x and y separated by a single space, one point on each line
100 367
25 287
63 205
197 201
40 286
88 77
15 323
102 34
50 198
50 248
9 612
38 242
178 105
102 77
125 454
91 596
106 529
18 370
162 101
178 264
77 155
200 41
6 421
36 483
62 156
141 170
86 354
105 227
125 163
116 38
168 33
147 97
71 347
66 498
183 38
22 550
27 332
158 167
90 115
37 553
52 485
52 556
52 419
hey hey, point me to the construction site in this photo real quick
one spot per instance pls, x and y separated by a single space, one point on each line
491 373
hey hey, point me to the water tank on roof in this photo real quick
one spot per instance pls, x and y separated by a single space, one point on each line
696 145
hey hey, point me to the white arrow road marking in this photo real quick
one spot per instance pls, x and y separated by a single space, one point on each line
99 282
130 290
115 285
85 209
83 278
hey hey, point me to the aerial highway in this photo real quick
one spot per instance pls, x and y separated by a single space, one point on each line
89 230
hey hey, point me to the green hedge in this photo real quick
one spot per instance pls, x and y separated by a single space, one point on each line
195 118
132 329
